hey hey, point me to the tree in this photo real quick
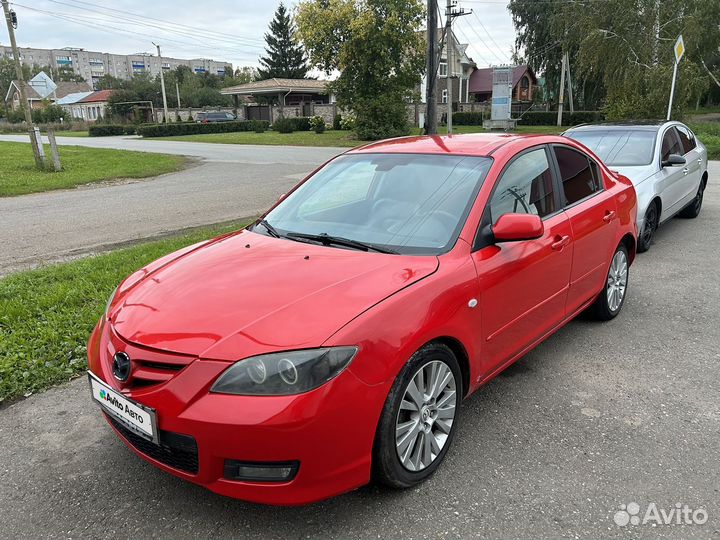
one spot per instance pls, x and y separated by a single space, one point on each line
285 57
625 48
377 47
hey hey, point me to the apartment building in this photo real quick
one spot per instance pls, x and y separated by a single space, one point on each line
93 65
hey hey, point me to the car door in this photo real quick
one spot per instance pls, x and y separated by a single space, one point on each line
523 285
694 165
672 178
592 211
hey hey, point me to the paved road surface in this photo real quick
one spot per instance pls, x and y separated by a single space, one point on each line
231 182
598 416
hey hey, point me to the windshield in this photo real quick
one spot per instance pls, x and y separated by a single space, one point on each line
619 147
408 203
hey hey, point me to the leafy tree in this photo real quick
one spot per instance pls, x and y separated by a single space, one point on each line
66 74
624 47
285 57
377 47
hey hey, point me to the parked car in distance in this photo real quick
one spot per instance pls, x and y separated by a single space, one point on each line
665 162
212 117
331 341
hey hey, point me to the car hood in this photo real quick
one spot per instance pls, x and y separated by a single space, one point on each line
249 294
636 174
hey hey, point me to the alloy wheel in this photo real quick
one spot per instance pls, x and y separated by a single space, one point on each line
651 219
426 415
617 281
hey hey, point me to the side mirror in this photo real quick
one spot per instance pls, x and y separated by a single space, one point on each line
674 160
514 227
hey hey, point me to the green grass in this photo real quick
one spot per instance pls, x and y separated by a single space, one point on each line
709 135
46 315
18 174
70 134
329 138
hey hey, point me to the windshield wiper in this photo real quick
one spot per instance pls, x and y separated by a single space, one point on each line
328 240
272 231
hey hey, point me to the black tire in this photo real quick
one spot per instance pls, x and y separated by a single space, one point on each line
652 219
387 466
692 210
601 308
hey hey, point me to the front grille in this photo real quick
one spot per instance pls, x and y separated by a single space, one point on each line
175 450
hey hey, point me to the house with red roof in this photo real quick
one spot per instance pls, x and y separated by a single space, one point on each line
87 106
524 84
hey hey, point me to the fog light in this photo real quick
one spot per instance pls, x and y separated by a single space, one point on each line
247 471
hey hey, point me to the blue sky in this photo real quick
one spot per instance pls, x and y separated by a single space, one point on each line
218 29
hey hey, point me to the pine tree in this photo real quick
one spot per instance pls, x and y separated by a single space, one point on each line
285 56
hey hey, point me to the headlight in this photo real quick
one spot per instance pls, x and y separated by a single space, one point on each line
112 297
284 374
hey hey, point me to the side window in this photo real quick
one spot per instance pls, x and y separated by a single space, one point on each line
580 176
686 139
671 144
526 187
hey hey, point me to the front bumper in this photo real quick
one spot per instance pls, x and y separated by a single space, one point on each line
328 431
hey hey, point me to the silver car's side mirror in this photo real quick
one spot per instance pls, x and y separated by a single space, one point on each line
674 160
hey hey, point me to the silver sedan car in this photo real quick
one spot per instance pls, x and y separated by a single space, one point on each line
665 162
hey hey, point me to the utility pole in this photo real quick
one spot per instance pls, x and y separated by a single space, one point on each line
11 21
562 93
432 70
450 14
569 82
166 119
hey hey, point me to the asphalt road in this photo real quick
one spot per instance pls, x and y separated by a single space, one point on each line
598 416
230 182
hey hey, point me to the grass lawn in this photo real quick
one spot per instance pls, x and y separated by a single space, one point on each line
709 134
329 138
19 176
46 315
70 134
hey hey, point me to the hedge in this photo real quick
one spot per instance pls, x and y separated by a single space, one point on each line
301 123
284 125
107 130
172 129
549 118
468 118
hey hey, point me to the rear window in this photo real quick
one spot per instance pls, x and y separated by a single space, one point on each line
619 147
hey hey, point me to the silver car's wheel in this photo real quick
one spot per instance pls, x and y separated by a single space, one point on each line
617 280
426 415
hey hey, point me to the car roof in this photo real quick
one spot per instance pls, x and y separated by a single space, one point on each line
473 144
633 125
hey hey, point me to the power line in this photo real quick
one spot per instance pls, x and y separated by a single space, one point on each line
504 54
469 41
489 49
142 18
92 23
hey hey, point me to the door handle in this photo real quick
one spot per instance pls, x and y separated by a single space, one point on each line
609 216
560 243
685 171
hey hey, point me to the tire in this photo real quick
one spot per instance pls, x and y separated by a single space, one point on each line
652 218
612 298
436 362
692 210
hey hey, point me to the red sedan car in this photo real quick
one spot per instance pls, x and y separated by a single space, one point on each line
332 341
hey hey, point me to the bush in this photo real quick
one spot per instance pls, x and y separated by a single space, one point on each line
337 122
284 125
318 124
348 121
549 118
468 118
301 123
171 130
108 130
381 118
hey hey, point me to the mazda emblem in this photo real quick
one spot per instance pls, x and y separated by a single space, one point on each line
121 366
